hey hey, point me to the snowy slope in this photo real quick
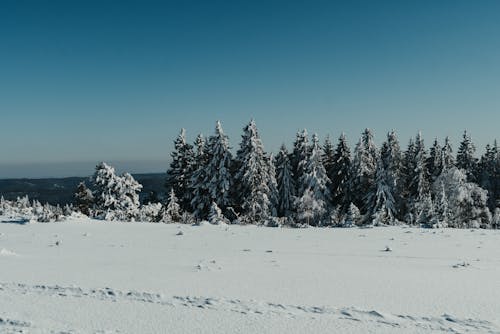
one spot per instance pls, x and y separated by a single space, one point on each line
149 278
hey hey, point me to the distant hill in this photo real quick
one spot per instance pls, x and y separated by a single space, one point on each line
61 190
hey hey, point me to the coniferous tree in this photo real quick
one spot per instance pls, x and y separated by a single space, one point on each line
116 197
466 159
435 161
218 179
353 216
384 206
447 159
328 157
181 170
339 174
172 212
363 170
467 201
252 179
418 180
489 174
201 200
316 180
84 199
299 158
273 187
286 185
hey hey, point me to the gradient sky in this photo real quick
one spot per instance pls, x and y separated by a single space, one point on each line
84 81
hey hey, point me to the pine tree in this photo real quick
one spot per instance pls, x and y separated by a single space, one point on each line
218 179
172 213
466 159
201 201
316 180
339 174
447 159
309 210
84 199
215 216
435 161
442 207
328 157
363 170
286 185
384 206
467 201
353 216
391 159
418 186
116 197
273 187
181 169
489 174
252 179
299 158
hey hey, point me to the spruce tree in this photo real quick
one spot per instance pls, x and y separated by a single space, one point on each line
363 171
200 203
316 180
84 199
172 210
299 158
435 161
252 179
466 159
286 185
447 159
328 157
181 170
339 174
218 179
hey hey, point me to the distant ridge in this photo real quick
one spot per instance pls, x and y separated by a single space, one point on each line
60 190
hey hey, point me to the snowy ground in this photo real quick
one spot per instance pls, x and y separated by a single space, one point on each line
145 278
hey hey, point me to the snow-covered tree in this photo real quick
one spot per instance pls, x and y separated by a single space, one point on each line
435 161
363 170
273 187
489 174
328 157
417 178
467 201
353 216
441 207
218 179
447 159
215 216
339 174
495 221
84 199
384 206
466 159
309 209
181 169
253 179
201 201
172 210
299 159
315 179
286 185
116 197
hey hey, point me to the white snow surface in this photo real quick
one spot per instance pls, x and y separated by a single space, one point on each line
87 276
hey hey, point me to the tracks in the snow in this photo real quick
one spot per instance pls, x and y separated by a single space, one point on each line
407 323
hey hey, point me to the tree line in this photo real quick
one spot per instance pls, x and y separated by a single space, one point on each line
312 184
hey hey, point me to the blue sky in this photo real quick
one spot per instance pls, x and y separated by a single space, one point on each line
84 81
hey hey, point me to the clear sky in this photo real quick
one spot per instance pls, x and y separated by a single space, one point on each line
84 81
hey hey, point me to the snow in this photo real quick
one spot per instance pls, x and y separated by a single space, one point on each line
110 277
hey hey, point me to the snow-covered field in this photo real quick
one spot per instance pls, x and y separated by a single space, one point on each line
85 276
